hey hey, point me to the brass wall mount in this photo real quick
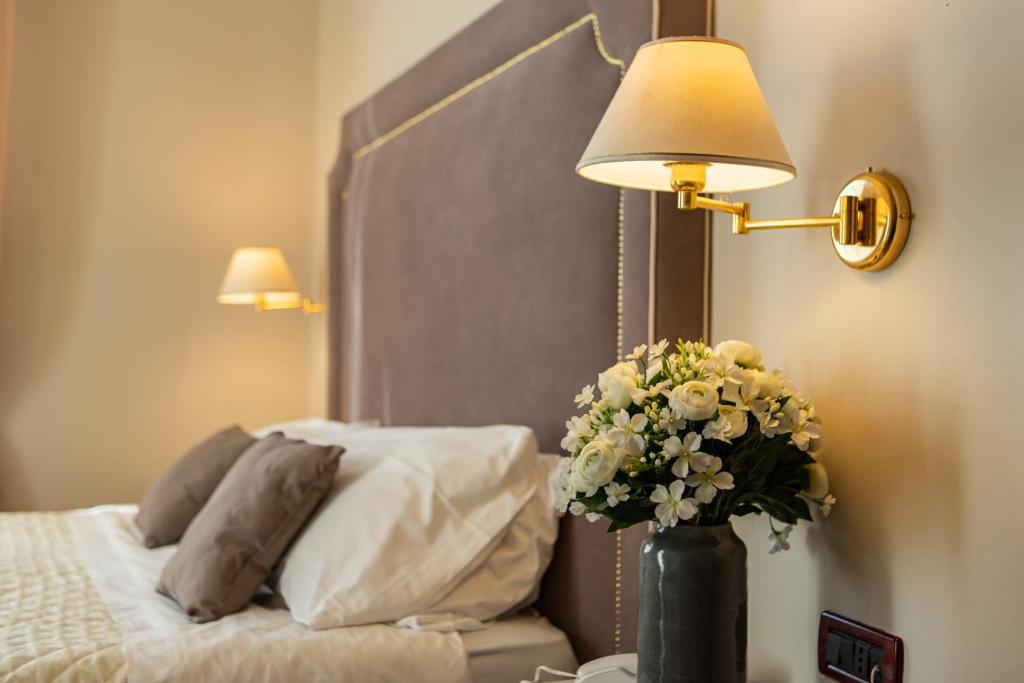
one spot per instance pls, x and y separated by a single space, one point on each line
869 224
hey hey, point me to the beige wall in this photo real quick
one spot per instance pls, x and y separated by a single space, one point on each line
916 371
148 139
364 44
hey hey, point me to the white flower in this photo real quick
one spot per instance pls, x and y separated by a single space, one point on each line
658 350
638 352
562 499
730 424
627 433
585 397
769 384
595 466
642 394
742 392
768 416
780 539
668 423
797 421
577 508
826 504
617 384
639 395
580 429
817 486
623 369
709 480
617 493
620 392
564 468
718 370
656 366
672 507
694 400
686 452
740 352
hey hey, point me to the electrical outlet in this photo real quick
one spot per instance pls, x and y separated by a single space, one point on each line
852 652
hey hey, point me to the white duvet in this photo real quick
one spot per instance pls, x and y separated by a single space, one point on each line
78 603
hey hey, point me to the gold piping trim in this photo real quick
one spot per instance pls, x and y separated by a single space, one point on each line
620 277
619 288
490 75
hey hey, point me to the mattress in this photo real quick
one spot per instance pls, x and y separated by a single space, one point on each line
510 650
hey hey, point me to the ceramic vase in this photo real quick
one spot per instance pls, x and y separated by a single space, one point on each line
693 606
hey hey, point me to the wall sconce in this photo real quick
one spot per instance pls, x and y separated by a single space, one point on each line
690 118
259 276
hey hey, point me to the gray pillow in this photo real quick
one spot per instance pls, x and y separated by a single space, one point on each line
177 497
230 548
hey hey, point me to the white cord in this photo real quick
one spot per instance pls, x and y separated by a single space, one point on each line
572 676
548 670
876 670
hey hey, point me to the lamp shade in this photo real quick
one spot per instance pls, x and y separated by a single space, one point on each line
689 99
259 275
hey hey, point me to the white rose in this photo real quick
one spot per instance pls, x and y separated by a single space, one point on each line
595 466
817 487
617 384
694 400
741 353
623 369
620 392
769 385
737 420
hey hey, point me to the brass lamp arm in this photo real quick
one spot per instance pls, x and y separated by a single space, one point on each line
854 214
869 223
306 304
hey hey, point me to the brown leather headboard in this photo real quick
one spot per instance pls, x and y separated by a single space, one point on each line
475 279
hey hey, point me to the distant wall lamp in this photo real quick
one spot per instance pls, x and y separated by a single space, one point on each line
689 118
259 276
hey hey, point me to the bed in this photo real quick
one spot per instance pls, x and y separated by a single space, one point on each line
469 265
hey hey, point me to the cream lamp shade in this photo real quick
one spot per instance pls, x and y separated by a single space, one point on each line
259 276
695 100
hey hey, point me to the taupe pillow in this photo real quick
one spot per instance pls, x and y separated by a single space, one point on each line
230 548
177 497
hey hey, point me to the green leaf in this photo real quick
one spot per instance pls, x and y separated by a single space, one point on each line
746 509
619 524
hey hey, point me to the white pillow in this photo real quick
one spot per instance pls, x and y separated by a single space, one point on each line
412 513
315 430
509 579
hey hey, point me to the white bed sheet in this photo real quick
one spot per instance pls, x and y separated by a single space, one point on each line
257 644
510 650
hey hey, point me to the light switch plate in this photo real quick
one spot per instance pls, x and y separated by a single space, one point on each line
848 650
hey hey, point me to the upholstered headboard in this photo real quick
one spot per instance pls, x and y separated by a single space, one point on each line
475 279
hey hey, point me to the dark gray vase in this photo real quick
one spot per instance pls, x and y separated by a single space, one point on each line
693 606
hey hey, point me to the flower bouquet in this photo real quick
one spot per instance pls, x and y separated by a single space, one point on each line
689 439
696 436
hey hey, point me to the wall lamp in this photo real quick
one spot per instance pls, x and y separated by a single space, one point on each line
259 276
690 118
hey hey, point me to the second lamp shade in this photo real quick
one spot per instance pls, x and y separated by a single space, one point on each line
258 275
690 100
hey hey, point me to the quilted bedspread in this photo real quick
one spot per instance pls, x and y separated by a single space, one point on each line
53 624
77 605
